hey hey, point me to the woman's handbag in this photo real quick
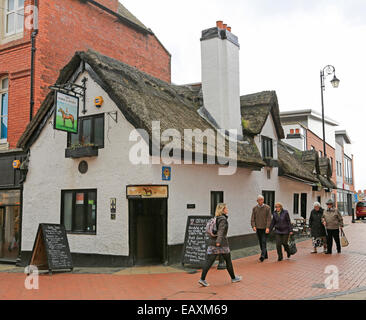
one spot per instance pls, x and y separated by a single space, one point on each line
292 245
344 240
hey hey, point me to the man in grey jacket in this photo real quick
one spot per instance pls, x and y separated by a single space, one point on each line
333 221
261 222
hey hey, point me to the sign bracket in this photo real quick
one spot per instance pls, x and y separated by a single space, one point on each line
74 89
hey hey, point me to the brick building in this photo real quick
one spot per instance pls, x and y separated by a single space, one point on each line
303 130
33 49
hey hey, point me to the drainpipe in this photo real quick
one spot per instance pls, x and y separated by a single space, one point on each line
33 51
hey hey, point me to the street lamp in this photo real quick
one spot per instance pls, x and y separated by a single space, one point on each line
327 71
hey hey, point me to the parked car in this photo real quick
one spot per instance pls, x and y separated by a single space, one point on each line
361 210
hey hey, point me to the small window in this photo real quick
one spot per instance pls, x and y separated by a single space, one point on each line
14 16
320 154
216 198
79 211
4 109
296 203
269 198
267 147
91 132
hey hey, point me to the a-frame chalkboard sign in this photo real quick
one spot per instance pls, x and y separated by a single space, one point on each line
195 243
51 249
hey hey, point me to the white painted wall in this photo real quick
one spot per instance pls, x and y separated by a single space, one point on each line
221 82
269 131
339 158
316 126
110 173
299 143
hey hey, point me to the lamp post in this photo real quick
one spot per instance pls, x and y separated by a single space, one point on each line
327 71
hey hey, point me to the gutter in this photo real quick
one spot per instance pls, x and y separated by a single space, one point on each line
117 15
33 52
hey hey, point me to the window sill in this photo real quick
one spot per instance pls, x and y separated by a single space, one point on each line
83 152
82 233
12 37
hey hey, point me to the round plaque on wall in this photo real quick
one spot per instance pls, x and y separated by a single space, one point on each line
83 167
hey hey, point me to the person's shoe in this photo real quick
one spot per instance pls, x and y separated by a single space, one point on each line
261 259
237 279
314 251
328 252
203 283
339 252
288 255
280 259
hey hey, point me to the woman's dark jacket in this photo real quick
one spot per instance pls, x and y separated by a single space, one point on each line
282 222
222 229
315 223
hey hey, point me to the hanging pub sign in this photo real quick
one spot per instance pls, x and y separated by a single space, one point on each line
66 112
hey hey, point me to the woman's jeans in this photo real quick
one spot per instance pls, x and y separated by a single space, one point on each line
282 240
210 261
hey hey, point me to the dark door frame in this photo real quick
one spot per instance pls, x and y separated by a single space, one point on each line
132 228
304 206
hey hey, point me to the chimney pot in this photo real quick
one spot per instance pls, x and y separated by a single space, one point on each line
220 24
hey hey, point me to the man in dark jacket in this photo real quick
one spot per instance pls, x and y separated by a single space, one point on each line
281 222
261 222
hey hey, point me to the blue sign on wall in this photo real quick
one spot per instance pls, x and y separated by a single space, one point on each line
167 173
356 197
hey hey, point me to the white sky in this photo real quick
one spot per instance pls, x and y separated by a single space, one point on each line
284 45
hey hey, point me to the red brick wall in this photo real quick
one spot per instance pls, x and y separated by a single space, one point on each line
314 141
65 27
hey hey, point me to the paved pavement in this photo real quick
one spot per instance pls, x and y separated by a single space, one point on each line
301 277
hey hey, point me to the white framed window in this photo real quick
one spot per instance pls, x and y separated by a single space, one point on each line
14 16
4 84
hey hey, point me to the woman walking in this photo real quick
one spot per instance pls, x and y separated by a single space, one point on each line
281 222
317 228
332 221
219 245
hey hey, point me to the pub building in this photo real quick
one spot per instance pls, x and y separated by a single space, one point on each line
117 213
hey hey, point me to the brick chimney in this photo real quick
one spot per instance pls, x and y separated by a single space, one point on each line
220 77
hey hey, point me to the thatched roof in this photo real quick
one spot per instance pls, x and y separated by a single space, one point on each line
302 165
310 159
143 99
325 167
255 109
290 164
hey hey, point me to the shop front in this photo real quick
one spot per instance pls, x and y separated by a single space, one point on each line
10 205
9 225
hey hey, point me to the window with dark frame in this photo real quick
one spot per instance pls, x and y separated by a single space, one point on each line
91 132
296 203
267 147
216 198
79 211
269 198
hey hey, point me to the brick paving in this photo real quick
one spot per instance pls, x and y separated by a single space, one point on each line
301 277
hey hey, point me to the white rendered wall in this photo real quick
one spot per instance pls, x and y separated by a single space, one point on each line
221 82
339 158
110 173
269 131
316 126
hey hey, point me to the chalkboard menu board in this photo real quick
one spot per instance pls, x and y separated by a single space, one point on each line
195 243
51 249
